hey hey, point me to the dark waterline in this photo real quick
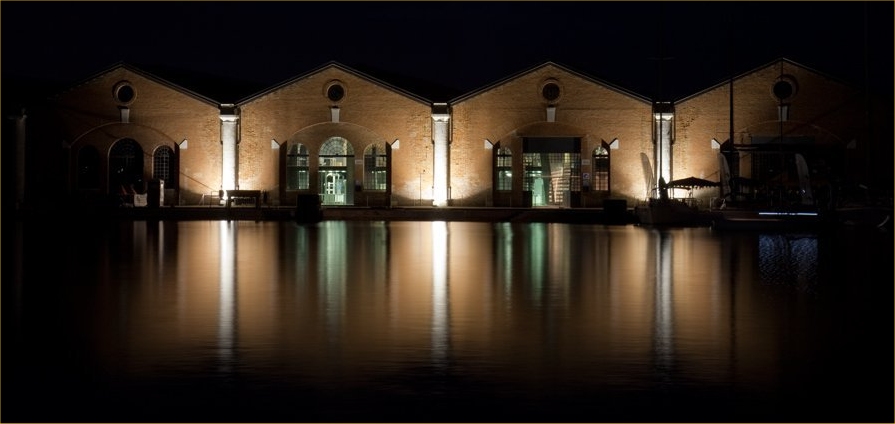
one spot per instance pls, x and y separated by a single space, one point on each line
443 321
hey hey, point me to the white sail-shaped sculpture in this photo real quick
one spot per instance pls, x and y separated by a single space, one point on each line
648 178
724 170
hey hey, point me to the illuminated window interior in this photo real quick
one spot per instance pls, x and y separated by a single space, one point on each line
297 170
504 169
375 167
163 166
601 169
550 176
336 172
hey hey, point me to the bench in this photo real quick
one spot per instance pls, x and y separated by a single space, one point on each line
244 194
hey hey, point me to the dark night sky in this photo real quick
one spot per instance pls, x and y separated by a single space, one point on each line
443 49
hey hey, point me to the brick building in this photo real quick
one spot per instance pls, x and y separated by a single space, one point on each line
548 136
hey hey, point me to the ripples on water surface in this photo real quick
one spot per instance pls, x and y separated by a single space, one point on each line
435 321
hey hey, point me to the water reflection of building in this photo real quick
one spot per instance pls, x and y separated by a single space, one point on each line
567 139
354 302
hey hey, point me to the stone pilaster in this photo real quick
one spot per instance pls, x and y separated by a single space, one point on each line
229 158
440 153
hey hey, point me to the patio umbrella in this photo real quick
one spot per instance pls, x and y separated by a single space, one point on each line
691 183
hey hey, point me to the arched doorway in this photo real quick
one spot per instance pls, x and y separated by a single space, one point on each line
126 167
336 172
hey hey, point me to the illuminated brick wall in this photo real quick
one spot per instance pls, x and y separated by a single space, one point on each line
368 112
506 112
823 109
157 115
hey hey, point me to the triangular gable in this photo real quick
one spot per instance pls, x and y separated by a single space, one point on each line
560 67
340 67
144 74
773 63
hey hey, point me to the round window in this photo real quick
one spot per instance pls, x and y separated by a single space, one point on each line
550 91
784 88
335 92
124 92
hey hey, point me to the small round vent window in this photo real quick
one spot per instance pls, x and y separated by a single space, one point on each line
124 92
550 91
784 88
335 92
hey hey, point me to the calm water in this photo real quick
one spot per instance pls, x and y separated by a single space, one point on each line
435 321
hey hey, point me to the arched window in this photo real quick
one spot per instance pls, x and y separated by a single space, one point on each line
504 169
126 166
336 172
164 166
601 169
297 171
375 167
88 168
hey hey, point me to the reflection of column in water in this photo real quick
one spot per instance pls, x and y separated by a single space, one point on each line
503 249
227 297
663 338
537 255
440 297
334 268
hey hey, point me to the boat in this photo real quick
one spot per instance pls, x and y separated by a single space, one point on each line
672 212
865 216
768 220
800 215
665 210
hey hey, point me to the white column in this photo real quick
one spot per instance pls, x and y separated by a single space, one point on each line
664 124
229 157
440 154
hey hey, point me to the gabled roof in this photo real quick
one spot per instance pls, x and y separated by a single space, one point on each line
756 69
144 74
557 65
336 65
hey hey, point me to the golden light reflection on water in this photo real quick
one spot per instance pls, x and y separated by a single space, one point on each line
354 302
346 320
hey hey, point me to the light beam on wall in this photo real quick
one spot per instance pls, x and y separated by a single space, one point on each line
663 127
440 152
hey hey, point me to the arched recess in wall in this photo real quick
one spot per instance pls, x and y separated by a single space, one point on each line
126 167
322 159
105 137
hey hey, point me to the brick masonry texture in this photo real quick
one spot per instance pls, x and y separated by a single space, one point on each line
371 112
